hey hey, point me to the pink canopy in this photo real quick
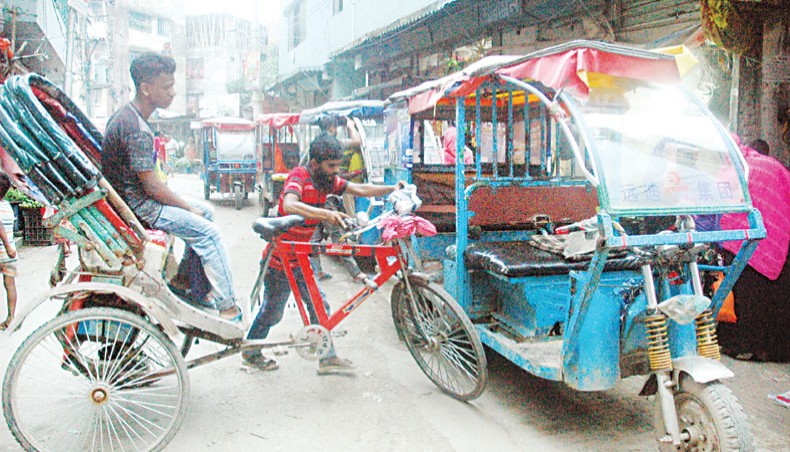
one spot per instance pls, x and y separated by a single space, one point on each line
567 65
229 123
278 120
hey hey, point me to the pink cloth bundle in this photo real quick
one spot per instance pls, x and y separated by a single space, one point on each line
397 227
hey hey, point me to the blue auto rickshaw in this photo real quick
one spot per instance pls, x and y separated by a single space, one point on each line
571 241
229 165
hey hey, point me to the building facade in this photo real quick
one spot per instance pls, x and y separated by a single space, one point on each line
39 33
119 31
223 62
320 59
314 30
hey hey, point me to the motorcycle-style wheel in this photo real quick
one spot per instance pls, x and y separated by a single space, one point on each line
238 197
711 417
95 379
449 352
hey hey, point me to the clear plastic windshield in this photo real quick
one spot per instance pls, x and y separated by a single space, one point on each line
235 145
658 149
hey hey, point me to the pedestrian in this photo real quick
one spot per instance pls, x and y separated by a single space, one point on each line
305 193
761 331
450 143
7 259
352 165
128 163
160 155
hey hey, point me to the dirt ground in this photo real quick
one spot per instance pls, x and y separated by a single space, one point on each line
388 404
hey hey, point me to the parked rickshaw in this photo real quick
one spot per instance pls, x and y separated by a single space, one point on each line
277 154
228 158
109 371
550 240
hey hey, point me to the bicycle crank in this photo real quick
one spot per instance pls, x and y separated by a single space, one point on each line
313 342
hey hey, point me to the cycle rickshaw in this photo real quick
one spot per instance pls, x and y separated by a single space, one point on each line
229 167
550 240
109 370
277 154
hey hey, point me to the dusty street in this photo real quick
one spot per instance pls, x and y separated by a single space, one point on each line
388 404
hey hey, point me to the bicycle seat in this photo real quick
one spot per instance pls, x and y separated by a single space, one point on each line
269 228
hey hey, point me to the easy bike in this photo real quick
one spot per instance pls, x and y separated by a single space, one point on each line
570 242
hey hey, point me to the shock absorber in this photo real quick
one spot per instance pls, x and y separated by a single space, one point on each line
707 343
658 342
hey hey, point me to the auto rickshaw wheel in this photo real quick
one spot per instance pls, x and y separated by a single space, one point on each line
95 379
238 198
449 352
710 416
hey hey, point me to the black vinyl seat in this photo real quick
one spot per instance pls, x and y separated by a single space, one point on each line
519 258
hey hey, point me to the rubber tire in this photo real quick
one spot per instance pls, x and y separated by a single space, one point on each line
724 412
206 192
464 332
238 198
395 298
45 330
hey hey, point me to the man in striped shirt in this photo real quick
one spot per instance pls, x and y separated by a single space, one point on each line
305 192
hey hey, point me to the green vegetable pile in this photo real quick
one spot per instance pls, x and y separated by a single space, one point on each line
24 201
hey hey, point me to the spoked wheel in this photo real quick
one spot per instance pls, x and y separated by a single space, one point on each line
238 196
710 417
95 379
451 355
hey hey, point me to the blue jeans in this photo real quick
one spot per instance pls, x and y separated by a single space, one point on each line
275 295
204 247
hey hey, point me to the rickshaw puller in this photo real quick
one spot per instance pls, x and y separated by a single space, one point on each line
305 193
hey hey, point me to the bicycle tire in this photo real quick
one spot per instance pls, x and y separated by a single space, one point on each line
452 357
112 391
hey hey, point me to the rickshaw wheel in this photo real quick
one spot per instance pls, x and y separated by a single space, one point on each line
451 355
95 379
206 192
711 416
397 292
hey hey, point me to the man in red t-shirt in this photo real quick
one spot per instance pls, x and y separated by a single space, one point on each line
305 192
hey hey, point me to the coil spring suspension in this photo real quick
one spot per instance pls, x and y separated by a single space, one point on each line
707 342
658 343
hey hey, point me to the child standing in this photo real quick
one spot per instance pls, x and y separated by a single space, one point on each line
7 260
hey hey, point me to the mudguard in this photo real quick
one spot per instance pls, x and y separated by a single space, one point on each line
701 370
152 311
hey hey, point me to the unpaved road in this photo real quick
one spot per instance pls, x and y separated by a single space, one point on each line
388 404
